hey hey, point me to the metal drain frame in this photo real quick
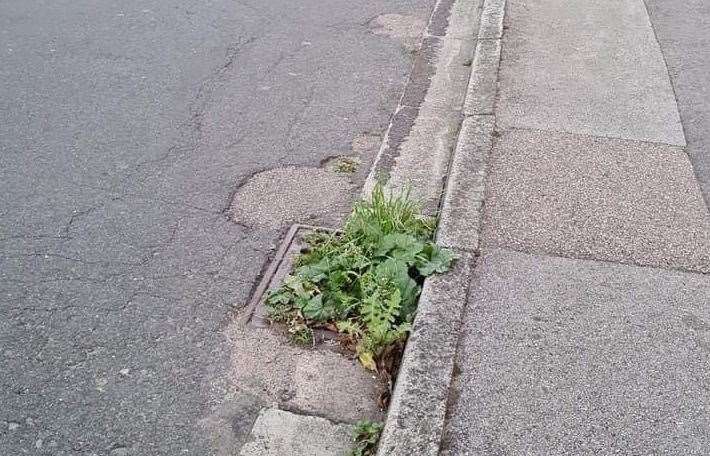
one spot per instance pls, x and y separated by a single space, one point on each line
280 266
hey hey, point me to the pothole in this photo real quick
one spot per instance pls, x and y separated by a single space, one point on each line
282 196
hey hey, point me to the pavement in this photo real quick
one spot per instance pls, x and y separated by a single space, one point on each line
587 324
565 356
133 135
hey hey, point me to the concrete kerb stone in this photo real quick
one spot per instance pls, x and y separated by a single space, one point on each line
483 82
491 27
416 417
482 86
464 14
415 421
461 212
282 433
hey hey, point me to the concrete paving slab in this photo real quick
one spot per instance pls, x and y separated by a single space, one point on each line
280 433
597 198
562 356
586 67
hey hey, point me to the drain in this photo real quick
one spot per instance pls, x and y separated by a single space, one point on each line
281 266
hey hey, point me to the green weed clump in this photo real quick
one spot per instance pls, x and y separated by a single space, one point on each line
366 434
363 281
347 165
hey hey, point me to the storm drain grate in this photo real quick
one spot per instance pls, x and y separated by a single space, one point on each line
281 266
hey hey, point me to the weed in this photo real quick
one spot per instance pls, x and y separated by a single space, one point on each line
346 165
363 281
366 435
301 334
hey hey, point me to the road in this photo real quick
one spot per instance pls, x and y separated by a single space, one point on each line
125 130
683 31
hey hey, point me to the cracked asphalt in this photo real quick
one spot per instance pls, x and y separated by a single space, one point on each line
125 130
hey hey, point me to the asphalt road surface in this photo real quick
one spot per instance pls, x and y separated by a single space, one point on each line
125 127
683 30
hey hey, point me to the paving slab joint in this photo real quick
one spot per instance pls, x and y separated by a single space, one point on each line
416 418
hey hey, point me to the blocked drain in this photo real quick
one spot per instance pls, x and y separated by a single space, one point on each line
281 266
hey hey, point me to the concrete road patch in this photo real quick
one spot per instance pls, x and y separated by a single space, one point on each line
597 198
280 433
316 381
564 356
586 67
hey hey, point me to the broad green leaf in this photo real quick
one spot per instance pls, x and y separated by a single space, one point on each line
398 273
403 247
439 260
315 273
279 297
313 308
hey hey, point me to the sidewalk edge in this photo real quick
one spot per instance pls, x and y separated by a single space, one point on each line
416 418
